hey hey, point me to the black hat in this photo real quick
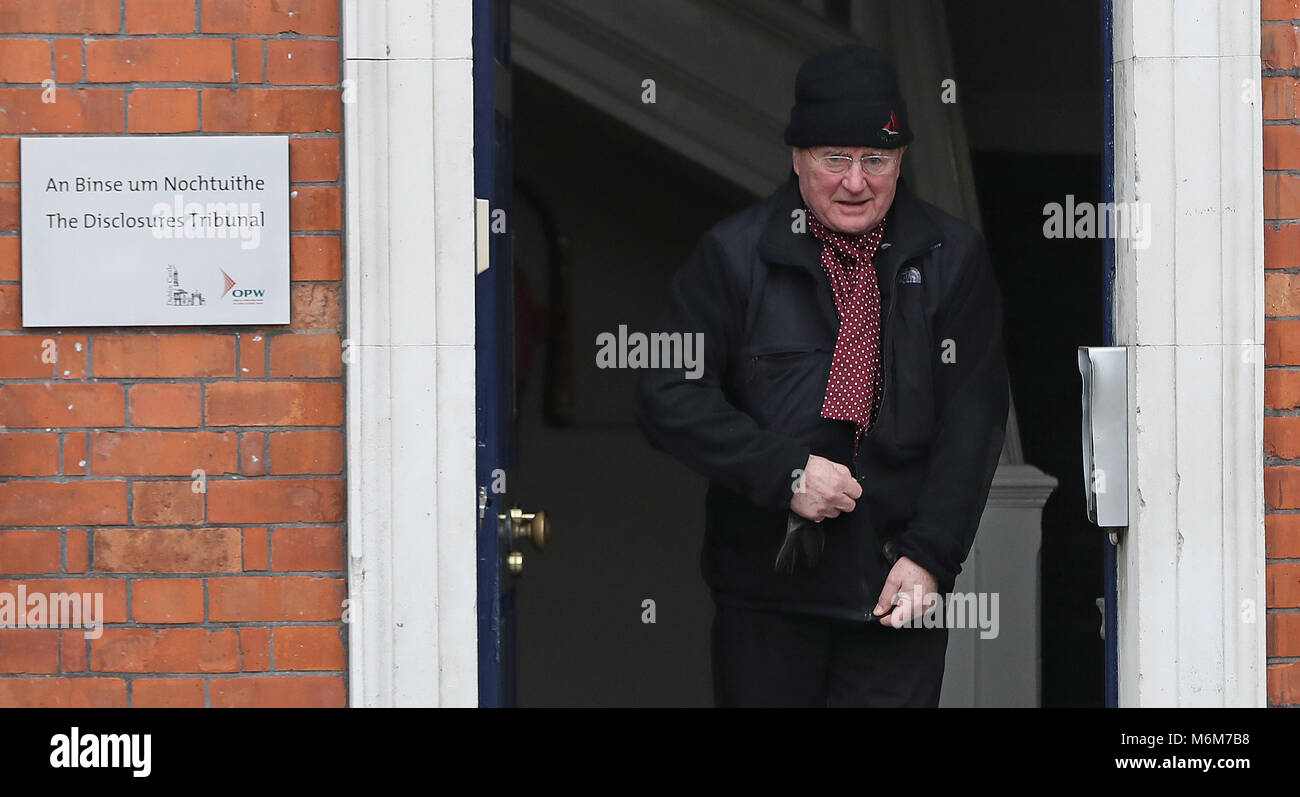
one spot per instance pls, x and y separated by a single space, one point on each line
848 97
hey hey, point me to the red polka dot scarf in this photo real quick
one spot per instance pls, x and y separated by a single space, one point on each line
854 387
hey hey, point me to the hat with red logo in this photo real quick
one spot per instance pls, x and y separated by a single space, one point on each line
848 97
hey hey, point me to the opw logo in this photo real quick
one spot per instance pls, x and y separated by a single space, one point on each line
241 295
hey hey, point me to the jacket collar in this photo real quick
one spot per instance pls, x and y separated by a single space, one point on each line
910 231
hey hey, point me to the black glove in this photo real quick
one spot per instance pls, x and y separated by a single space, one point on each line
803 545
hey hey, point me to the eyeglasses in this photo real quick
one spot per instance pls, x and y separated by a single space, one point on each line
872 164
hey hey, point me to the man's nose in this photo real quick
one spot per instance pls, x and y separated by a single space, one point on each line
855 180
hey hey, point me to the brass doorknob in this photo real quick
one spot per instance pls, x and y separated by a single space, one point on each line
531 525
515 563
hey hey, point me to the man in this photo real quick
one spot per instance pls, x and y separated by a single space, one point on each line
850 413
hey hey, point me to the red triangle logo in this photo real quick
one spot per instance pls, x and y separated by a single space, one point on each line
892 126
230 283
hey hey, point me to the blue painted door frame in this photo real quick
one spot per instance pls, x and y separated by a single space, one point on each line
1111 613
494 354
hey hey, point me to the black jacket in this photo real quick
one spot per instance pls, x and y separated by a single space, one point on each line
755 288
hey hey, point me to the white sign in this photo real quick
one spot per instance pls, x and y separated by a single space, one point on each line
155 230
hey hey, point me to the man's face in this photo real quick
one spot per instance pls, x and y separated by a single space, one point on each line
852 202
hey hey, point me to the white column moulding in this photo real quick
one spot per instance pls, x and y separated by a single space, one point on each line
1189 306
408 142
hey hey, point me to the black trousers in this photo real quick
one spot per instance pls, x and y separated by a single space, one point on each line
765 658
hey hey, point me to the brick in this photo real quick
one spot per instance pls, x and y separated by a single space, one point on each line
1282 245
163 111
130 453
11 308
60 16
78 550
160 16
1277 46
315 451
69 61
1279 9
72 356
25 60
257 550
167 600
166 405
306 356
1281 196
28 455
1283 635
112 589
9 164
283 598
1281 295
315 160
302 62
204 550
28 356
33 503
1282 585
168 355
62 692
1282 536
166 504
155 59
9 212
1282 342
307 548
273 404
315 305
255 649
310 17
10 259
1282 437
73 111
74 454
316 208
257 110
72 643
1284 684
30 552
29 650
98 404
275 501
252 454
159 650
252 355
1281 147
279 691
168 693
320 257
248 62
310 647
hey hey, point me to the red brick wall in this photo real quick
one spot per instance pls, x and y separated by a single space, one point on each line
1281 107
225 591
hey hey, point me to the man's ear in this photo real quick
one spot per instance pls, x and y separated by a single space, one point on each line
794 159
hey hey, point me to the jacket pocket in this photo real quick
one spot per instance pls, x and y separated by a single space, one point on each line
913 354
784 384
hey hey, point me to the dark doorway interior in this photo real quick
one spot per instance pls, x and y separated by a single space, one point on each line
604 215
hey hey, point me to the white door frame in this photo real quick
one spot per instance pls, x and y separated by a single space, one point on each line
1191 564
1189 307
408 138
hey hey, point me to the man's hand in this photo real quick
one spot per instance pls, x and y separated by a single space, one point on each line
908 593
824 490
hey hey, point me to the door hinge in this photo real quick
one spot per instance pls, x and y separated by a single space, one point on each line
482 235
